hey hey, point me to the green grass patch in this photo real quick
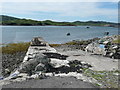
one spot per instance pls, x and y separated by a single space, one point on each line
117 41
15 47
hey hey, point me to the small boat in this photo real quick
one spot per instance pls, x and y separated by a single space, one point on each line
68 34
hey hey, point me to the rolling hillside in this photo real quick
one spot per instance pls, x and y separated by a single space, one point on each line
8 20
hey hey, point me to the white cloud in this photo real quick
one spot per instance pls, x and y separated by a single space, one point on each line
80 9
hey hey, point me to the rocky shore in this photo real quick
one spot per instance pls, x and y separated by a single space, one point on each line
86 66
11 61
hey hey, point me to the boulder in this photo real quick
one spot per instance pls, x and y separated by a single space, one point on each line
29 66
38 41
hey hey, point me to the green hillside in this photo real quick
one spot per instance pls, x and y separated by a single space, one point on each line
8 20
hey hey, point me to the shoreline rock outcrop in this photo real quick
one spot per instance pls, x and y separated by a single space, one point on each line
106 47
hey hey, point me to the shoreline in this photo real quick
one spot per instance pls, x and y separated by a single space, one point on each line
64 25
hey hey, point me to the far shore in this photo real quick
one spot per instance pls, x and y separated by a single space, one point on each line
63 25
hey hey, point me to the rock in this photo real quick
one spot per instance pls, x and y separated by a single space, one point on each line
31 65
38 41
56 63
7 71
41 58
105 46
40 68
63 69
42 76
28 66
49 74
55 55
15 77
34 76
116 55
1 78
105 42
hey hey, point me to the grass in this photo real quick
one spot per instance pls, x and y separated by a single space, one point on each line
70 43
14 47
77 43
104 77
117 41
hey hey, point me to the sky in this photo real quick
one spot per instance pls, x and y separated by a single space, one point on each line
63 11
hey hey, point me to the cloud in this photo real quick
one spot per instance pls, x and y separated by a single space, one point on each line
70 9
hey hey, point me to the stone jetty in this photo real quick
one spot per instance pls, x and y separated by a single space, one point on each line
41 61
40 56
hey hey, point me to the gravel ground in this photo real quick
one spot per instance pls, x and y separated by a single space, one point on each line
52 82
11 61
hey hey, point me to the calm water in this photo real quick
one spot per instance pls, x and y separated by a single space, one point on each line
52 34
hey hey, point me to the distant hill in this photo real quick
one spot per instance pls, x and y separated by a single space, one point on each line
8 20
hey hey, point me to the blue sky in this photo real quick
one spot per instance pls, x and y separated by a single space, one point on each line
63 11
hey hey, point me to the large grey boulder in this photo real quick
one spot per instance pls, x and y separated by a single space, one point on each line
28 66
33 64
